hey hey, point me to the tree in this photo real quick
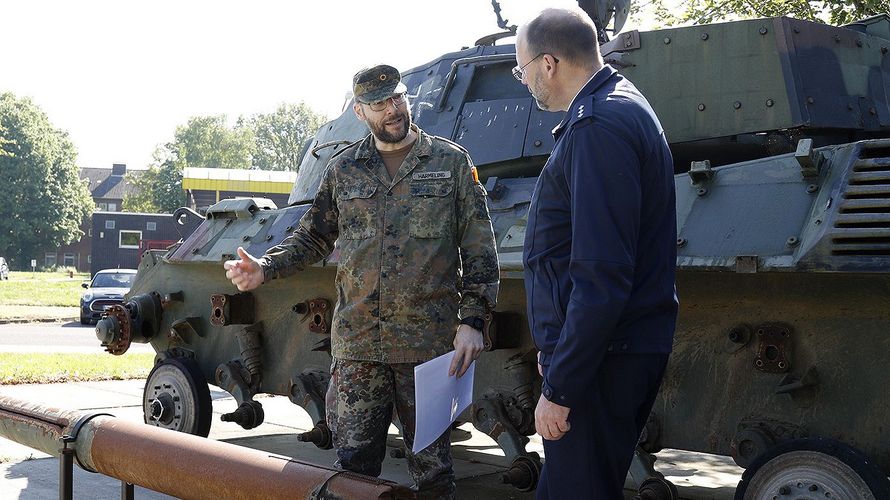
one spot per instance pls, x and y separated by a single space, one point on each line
207 142
279 137
158 189
709 11
44 199
204 142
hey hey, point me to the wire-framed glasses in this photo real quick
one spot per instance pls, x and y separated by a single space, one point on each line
397 100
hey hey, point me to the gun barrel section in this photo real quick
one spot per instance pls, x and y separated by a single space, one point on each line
180 464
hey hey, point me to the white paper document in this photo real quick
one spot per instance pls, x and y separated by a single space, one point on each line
439 398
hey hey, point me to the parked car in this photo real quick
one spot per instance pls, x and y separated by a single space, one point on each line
4 269
107 288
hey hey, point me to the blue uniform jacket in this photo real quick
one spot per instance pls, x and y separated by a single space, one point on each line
600 245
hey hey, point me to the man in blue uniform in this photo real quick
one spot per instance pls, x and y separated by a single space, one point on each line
600 251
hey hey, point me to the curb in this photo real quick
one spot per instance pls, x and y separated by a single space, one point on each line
6 321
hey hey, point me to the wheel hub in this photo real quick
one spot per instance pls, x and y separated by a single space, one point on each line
161 409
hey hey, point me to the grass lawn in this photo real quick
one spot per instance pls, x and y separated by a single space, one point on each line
29 295
45 368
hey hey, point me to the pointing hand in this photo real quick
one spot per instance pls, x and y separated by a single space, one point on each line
246 272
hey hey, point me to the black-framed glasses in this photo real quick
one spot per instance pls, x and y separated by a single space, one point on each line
519 71
396 100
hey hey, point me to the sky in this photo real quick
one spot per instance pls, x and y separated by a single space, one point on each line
120 76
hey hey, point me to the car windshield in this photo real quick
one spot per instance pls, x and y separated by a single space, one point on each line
113 280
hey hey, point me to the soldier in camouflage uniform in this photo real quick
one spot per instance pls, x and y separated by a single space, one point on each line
417 273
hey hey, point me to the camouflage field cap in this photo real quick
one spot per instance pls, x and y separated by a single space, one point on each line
377 83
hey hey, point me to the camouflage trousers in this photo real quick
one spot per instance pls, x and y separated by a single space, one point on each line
359 406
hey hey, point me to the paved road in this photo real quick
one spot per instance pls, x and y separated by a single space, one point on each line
50 337
27 474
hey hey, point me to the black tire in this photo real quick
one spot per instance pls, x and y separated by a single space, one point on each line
85 320
176 397
794 467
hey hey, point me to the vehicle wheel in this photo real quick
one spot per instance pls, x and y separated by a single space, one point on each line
85 320
813 467
176 397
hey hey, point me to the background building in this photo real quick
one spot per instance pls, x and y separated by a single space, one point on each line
108 188
120 238
206 186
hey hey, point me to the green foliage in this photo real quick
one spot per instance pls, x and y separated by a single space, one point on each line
709 11
279 136
204 142
44 200
158 189
207 142
272 141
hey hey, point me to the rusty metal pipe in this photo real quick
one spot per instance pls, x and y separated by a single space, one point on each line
180 464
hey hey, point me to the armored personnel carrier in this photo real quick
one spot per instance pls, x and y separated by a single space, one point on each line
780 130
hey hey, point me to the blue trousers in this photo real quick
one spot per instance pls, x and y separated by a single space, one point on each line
591 460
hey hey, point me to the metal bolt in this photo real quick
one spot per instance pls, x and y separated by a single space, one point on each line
269 238
872 111
782 365
883 50
430 72
812 188
792 241
737 105
763 30
810 100
859 43
245 238
195 251
758 363
701 106
813 487
704 36
538 143
667 40
784 490
837 39
770 103
681 242
450 108
702 191
628 43
796 29
263 220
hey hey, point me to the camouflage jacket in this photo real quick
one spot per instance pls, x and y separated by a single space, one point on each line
416 252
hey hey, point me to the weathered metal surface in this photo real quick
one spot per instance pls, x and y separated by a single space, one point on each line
780 132
40 427
180 464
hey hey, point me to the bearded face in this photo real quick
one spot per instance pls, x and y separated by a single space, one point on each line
390 125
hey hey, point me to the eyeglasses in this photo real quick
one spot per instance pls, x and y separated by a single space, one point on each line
397 100
519 71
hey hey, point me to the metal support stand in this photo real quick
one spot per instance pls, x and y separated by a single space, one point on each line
66 469
126 491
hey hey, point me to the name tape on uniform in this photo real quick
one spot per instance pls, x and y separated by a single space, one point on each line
425 176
